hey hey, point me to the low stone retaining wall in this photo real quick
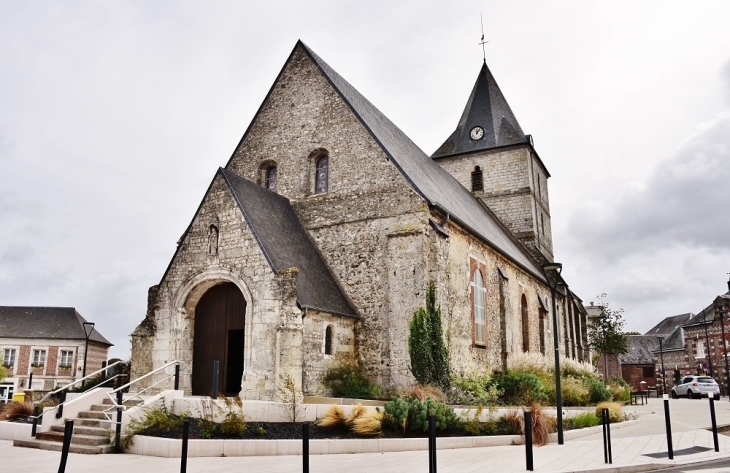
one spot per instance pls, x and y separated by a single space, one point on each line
14 430
171 448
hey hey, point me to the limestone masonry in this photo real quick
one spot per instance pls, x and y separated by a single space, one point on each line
320 235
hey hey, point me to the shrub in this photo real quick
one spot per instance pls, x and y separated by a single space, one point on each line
413 414
429 359
598 391
619 392
528 362
369 423
519 388
348 379
473 390
615 410
233 423
575 368
575 392
153 420
18 410
333 417
581 421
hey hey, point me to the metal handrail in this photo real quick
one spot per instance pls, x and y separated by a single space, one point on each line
77 381
111 394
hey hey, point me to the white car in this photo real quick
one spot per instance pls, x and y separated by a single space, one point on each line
696 386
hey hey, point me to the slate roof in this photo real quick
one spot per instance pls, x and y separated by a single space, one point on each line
670 324
285 244
436 185
640 350
488 109
58 323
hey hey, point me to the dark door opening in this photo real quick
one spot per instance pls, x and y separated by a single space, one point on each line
219 335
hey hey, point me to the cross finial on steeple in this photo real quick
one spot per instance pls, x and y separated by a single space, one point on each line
484 51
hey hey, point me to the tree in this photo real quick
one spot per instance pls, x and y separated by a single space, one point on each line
429 359
606 335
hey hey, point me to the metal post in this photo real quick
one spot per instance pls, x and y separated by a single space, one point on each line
605 439
118 426
431 444
30 381
305 447
714 422
103 373
607 413
709 354
67 433
87 333
557 267
528 441
724 346
670 450
177 377
61 400
184 453
215 379
33 429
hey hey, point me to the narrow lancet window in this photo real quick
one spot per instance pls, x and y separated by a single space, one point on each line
328 340
322 177
271 175
477 180
480 319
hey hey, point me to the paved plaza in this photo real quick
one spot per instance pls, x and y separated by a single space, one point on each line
632 446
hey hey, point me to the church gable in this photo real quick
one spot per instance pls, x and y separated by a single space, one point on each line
305 129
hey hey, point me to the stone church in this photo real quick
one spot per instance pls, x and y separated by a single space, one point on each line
320 235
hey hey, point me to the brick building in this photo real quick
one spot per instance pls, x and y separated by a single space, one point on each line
634 366
48 342
321 233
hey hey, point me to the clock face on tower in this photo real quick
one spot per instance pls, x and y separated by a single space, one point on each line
476 133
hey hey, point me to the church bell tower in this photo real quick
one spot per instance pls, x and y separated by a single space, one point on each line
490 155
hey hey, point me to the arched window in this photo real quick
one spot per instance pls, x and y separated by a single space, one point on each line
479 308
477 180
270 178
322 176
328 340
525 326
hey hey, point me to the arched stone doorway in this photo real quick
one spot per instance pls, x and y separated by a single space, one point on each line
219 334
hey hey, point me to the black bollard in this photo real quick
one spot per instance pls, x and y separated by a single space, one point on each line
33 429
528 441
67 433
30 381
714 422
670 450
607 422
103 373
61 400
605 437
118 426
305 447
184 453
431 444
215 379
177 377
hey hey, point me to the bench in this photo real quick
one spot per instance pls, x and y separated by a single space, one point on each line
639 395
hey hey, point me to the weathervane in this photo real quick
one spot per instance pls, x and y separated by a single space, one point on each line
484 51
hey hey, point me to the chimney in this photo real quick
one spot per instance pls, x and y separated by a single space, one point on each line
728 284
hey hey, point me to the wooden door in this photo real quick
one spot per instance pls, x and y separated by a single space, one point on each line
219 335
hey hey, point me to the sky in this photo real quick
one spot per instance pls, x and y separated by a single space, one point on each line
115 116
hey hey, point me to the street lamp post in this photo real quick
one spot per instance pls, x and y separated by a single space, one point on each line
88 329
707 342
721 313
661 354
557 268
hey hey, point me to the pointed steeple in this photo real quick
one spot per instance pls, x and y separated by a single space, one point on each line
487 121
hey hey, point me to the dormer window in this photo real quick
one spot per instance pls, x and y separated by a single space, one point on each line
322 175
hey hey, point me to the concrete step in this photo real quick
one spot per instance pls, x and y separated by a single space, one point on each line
58 446
104 424
75 439
102 407
93 415
127 402
83 430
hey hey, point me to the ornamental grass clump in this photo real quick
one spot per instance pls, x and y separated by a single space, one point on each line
615 410
368 424
335 416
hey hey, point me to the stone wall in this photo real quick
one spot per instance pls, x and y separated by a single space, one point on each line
515 189
316 361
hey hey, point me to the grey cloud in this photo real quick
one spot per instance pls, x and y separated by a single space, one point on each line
17 254
684 202
725 74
